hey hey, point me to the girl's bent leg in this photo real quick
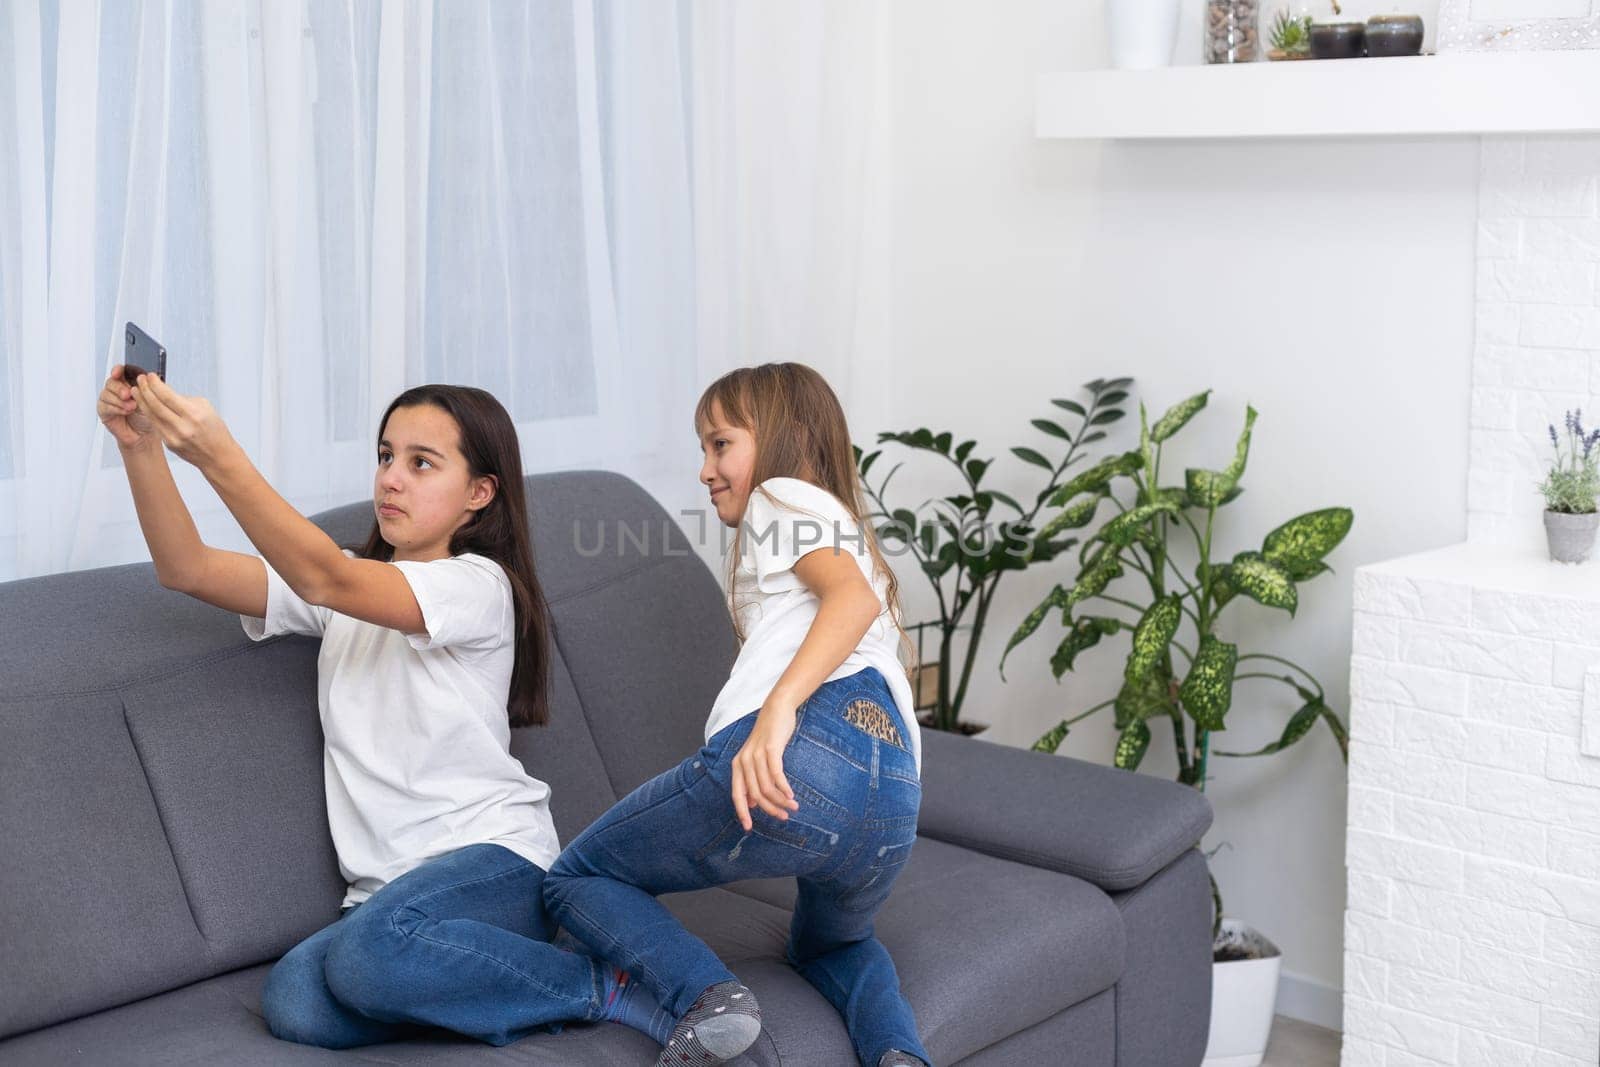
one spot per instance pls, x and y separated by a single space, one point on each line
603 886
298 1006
461 942
834 949
677 832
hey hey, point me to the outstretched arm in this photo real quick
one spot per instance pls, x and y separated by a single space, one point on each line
305 556
230 580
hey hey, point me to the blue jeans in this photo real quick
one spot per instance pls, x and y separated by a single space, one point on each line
856 781
460 942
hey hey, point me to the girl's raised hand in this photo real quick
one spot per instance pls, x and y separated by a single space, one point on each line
189 425
119 411
758 776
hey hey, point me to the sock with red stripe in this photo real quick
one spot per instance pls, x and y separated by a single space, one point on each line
628 1003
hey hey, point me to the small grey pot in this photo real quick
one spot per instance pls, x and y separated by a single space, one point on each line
1571 536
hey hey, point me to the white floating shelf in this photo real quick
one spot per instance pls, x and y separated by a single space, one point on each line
1464 93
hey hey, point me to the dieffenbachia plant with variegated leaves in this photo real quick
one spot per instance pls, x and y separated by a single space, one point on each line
1183 680
1179 667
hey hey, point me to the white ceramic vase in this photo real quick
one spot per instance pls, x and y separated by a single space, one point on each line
1244 995
1143 33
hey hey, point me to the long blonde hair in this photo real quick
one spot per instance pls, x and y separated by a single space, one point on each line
800 432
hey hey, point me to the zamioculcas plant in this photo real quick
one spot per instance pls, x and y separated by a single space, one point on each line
1180 669
977 534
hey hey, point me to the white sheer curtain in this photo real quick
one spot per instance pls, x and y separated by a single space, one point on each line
791 165
587 207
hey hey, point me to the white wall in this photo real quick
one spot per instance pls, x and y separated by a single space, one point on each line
1538 316
1328 283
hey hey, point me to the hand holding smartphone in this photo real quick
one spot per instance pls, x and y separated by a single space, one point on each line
143 354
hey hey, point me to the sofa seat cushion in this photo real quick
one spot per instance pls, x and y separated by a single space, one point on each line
218 1021
985 947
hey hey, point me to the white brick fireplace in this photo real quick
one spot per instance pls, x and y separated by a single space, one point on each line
1472 928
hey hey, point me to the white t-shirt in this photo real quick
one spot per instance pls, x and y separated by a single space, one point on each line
775 608
417 759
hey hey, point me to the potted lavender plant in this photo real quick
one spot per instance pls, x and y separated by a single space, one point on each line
1570 491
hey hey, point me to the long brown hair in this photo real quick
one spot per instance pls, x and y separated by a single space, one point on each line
498 531
800 432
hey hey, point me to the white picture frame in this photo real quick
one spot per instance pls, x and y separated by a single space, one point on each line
1462 31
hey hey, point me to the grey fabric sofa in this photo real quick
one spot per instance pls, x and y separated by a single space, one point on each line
163 838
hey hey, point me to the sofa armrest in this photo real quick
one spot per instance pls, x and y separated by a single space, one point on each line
1107 826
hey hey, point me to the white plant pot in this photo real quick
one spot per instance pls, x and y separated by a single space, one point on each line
1244 995
1142 33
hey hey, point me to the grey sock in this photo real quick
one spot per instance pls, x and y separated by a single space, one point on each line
895 1058
722 1023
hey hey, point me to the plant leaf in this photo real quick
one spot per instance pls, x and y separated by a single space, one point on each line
1004 499
1211 488
1070 405
1150 695
1073 517
1131 745
1028 455
1263 581
1098 476
975 469
1299 545
1153 636
1084 635
1042 551
1125 528
1177 416
1299 724
964 449
1046 426
1147 452
1340 734
1052 740
1093 581
1241 451
1222 587
1207 692
1056 598
868 460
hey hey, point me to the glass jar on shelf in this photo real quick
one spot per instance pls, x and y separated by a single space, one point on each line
1233 31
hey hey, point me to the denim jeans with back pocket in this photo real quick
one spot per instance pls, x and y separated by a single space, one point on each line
853 773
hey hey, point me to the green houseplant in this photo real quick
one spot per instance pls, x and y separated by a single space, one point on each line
963 548
1290 36
1179 668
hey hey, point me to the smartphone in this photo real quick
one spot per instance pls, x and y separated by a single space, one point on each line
143 355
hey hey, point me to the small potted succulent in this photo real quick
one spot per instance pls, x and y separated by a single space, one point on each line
1290 36
1570 491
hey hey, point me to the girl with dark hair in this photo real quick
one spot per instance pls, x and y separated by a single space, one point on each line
435 642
